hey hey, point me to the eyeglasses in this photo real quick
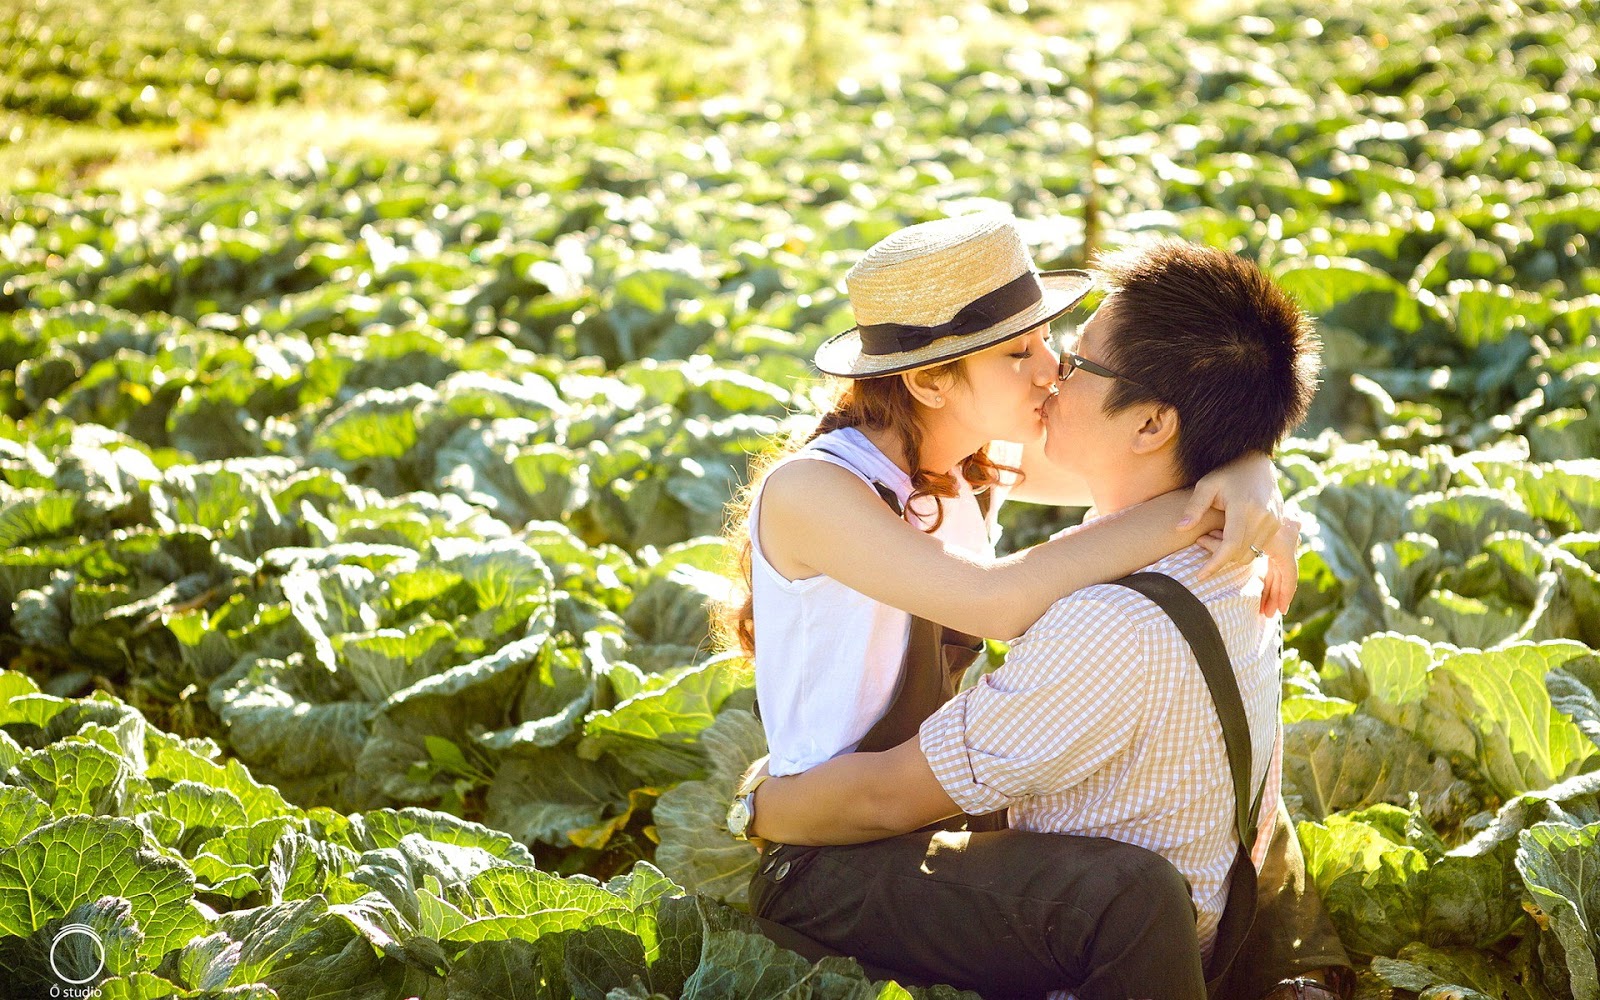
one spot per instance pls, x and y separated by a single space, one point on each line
1071 362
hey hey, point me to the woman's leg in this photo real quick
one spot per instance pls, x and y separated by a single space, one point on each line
1008 913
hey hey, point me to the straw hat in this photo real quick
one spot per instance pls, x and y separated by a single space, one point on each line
940 290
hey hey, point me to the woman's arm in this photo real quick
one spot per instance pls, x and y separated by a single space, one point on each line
817 518
1245 490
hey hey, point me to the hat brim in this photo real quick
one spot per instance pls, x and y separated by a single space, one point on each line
841 354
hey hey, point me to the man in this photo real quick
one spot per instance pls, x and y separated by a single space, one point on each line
1100 723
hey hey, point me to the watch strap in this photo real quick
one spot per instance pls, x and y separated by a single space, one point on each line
754 779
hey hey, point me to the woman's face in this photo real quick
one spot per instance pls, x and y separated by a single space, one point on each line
1005 387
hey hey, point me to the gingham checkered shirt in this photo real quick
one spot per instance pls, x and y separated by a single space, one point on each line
1100 724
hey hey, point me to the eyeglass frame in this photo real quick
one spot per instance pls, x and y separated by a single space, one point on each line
1070 362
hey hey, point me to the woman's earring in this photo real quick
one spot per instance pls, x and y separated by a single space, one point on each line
938 401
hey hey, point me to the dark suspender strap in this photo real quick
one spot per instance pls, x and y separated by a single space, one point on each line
1200 630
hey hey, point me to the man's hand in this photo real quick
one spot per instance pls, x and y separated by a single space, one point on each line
1246 491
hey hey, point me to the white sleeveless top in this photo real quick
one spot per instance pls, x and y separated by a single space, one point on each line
828 657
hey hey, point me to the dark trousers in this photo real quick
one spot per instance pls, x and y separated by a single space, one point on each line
1007 914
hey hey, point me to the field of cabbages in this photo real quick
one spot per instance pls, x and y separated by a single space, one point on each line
358 512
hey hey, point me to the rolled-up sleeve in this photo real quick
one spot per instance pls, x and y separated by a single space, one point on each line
1066 702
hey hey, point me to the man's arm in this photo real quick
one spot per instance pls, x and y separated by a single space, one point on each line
1066 701
853 798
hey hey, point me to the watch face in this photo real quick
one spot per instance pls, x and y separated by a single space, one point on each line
738 818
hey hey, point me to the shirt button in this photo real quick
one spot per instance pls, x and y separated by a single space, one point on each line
783 870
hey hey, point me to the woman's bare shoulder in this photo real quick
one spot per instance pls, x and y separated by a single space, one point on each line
802 484
809 506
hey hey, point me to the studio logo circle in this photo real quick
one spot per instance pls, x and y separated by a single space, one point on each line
94 939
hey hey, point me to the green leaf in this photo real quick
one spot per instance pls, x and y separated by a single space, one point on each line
673 607
80 859
98 939
553 479
376 424
220 496
406 913
736 964
172 760
1323 283
1488 709
510 969
1575 692
696 849
1524 743
207 963
654 733
1487 312
382 662
75 778
601 960
232 862
1466 974
326 602
269 938
196 805
1356 761
521 902
21 812
555 699
472 697
544 795
301 867
1557 866
291 718
14 684
1463 520
1564 494
1349 521
387 827
505 578
28 516
1387 882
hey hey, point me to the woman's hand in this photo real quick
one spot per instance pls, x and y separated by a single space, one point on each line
1282 573
1246 491
1283 569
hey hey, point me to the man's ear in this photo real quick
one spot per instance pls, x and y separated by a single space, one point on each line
1158 430
925 387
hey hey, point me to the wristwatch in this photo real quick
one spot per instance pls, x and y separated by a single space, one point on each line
743 810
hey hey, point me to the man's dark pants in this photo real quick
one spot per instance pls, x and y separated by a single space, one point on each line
1007 913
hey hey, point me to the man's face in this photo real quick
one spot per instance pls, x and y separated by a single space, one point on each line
1079 434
